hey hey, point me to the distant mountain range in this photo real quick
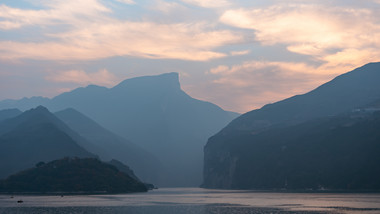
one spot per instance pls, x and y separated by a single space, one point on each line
326 139
33 136
9 113
108 145
152 112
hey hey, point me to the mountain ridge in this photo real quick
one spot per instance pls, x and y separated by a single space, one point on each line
111 146
306 106
299 143
156 114
31 137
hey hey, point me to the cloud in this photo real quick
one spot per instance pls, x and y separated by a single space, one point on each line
252 84
239 53
166 7
209 3
127 1
143 39
328 37
219 69
91 34
323 32
102 77
307 29
57 12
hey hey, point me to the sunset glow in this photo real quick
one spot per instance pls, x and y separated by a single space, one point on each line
239 55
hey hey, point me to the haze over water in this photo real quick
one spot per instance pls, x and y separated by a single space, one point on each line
196 200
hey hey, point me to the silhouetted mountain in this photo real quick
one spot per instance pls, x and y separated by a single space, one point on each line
111 146
24 103
154 113
339 153
72 175
374 105
9 113
31 137
326 138
344 93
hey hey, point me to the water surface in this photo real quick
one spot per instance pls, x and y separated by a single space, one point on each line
197 201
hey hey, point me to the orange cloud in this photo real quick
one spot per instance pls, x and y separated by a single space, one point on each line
253 84
93 34
331 35
239 53
149 40
68 12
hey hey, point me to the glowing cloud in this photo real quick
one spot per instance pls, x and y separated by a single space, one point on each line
89 33
239 53
321 31
69 12
253 84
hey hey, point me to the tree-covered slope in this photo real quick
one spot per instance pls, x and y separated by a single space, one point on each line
334 153
72 175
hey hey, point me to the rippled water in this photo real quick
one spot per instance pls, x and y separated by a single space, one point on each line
197 201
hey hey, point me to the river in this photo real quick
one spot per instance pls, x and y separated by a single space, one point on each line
194 201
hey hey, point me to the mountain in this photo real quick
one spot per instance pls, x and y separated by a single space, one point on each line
111 146
327 138
72 175
42 115
374 105
24 103
123 168
31 137
9 113
344 93
337 153
154 113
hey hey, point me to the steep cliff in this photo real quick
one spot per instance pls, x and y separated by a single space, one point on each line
322 139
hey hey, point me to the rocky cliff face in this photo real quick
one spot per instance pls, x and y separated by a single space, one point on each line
221 166
316 140
338 153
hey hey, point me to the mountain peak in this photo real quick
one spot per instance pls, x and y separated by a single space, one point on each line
41 108
162 81
38 110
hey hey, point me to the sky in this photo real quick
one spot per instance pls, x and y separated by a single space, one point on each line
237 54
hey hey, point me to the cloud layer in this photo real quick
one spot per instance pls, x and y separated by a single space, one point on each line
238 54
88 31
335 35
253 84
